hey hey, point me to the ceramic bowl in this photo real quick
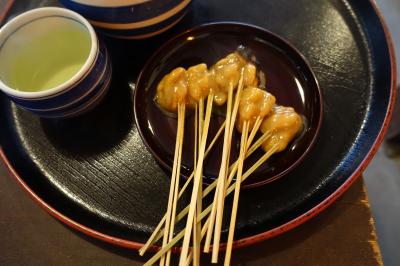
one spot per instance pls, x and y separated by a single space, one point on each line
130 19
76 95
289 77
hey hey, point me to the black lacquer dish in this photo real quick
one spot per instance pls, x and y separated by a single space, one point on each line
288 75
95 174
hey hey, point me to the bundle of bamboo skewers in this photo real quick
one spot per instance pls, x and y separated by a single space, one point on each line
233 80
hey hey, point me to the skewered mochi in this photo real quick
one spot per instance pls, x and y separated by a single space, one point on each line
285 124
254 103
181 88
225 74
250 75
197 78
172 90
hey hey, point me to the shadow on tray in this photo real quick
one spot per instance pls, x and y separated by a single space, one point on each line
98 130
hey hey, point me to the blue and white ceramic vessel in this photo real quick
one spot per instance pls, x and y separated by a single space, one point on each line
130 19
75 96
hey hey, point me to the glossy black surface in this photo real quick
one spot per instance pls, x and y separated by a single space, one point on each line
96 170
288 77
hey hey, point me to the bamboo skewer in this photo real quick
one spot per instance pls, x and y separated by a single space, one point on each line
197 241
155 233
232 174
210 146
221 191
233 168
213 185
206 211
218 197
203 233
195 144
218 181
201 118
222 172
196 183
238 182
178 175
254 130
172 201
223 82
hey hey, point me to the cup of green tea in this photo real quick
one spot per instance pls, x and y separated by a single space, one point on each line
52 63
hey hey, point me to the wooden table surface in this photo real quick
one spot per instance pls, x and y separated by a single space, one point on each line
344 234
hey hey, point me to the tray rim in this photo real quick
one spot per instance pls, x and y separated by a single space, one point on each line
247 241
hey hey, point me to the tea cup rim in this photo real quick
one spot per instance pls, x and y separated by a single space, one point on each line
27 17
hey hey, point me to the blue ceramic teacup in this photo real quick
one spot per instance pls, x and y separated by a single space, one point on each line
130 19
52 63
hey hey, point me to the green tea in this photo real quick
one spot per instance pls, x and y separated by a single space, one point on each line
44 54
